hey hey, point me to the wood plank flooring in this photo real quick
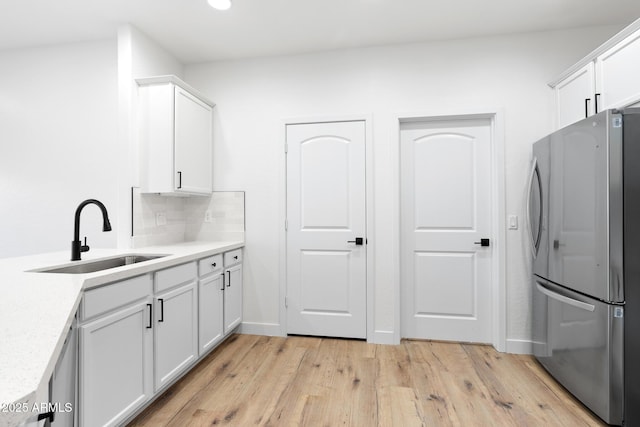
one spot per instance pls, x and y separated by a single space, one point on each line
300 381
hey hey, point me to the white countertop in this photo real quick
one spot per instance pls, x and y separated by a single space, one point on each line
36 311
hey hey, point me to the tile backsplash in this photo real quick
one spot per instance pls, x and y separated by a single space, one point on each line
162 220
220 218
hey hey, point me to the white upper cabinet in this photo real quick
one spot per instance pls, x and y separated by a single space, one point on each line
575 97
175 131
606 78
618 71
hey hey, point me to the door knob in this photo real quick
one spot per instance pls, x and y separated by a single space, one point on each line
483 242
358 241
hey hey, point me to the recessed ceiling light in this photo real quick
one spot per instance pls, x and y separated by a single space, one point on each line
220 4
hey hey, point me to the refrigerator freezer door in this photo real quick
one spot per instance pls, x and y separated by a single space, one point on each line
585 208
581 345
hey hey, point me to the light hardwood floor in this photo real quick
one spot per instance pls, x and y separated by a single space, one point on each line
274 381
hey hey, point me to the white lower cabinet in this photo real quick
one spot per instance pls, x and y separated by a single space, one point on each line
220 297
211 302
232 298
176 322
116 353
139 335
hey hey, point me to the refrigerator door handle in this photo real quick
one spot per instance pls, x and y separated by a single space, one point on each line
534 178
564 299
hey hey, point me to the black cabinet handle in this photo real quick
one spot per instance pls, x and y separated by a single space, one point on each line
161 310
213 265
597 96
222 289
586 107
229 281
235 257
150 316
179 179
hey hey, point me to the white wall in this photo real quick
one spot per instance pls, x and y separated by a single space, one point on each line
66 134
58 109
138 56
255 96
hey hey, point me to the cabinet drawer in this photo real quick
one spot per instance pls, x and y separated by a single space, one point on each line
232 257
166 279
109 297
209 264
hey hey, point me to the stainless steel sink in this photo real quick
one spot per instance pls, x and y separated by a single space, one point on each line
101 264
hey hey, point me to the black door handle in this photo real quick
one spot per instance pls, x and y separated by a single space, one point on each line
483 242
358 241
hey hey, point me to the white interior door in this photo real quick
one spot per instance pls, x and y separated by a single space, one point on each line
445 209
326 268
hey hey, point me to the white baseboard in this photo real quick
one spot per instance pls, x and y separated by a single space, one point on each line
275 330
268 329
519 346
383 337
513 346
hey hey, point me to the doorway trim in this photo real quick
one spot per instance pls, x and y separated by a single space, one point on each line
498 221
369 204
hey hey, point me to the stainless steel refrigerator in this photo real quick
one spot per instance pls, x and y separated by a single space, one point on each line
584 217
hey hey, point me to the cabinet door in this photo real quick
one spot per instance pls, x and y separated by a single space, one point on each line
193 140
62 389
233 298
618 70
176 325
575 98
211 310
116 365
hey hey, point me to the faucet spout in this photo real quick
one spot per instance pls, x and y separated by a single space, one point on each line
76 245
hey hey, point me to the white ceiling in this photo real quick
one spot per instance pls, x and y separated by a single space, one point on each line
194 32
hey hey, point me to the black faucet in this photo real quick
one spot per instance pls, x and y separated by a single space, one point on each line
76 246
